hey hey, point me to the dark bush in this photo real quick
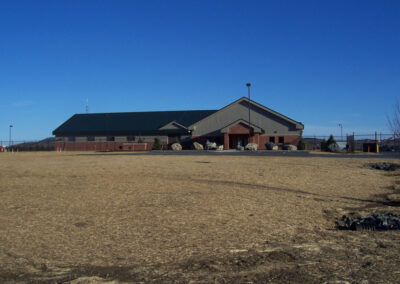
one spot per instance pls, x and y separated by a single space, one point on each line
324 145
269 145
330 141
301 145
157 144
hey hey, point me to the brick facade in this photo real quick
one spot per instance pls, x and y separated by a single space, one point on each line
288 139
104 146
239 128
109 146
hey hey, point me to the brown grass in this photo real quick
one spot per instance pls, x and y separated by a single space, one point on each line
179 218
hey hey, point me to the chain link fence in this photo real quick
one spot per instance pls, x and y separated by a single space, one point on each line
28 145
352 142
357 142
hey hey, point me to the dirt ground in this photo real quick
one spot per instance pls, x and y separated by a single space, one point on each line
83 218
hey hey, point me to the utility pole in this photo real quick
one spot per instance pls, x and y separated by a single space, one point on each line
341 131
248 85
9 142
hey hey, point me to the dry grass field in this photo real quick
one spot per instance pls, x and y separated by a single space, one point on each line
197 219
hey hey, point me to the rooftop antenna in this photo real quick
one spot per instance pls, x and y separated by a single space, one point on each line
87 105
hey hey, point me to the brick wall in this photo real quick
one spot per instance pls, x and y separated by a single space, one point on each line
288 139
261 140
103 146
239 128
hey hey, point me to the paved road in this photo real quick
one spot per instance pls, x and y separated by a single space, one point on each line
383 155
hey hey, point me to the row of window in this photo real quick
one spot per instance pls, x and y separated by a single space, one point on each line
281 139
93 138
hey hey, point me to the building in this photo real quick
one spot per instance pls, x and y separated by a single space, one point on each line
228 126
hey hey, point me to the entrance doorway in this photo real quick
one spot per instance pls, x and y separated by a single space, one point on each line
237 139
174 139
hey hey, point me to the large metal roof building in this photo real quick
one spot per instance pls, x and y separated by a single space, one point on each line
236 124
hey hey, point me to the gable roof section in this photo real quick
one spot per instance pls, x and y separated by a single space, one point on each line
173 125
129 123
298 124
256 128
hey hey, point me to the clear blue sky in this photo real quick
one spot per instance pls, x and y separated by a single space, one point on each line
318 62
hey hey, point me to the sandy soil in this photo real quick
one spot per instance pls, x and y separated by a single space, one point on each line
200 219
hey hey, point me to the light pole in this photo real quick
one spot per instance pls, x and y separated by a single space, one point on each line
248 85
9 142
341 131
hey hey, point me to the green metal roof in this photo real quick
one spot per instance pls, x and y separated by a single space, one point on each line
129 123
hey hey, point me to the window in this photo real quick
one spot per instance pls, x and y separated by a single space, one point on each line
90 138
110 138
100 139
272 139
130 138
281 139
71 139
